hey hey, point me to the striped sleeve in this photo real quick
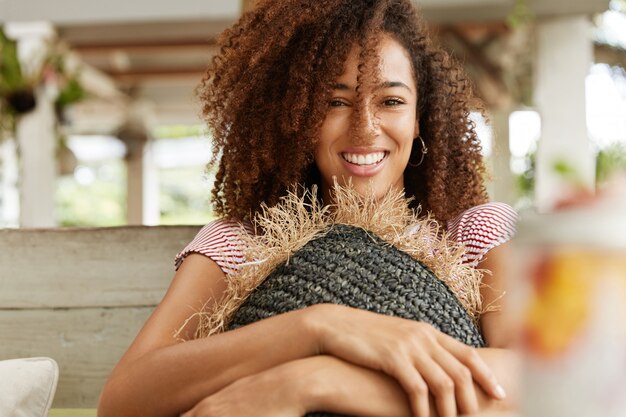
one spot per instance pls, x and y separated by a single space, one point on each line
482 228
219 240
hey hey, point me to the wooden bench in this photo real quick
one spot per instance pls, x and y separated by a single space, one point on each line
80 296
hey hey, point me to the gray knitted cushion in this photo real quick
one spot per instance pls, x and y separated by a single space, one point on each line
352 267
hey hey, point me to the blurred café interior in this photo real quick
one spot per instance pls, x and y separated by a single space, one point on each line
101 125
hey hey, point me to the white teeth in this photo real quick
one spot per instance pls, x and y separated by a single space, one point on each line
364 159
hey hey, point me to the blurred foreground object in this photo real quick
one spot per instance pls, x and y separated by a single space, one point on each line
572 306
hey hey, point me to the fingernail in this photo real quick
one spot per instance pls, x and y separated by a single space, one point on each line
500 392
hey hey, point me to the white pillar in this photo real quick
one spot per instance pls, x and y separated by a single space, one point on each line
37 140
35 131
504 185
136 135
143 187
151 209
134 186
565 54
9 194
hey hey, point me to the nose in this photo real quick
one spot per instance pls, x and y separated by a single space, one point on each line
366 126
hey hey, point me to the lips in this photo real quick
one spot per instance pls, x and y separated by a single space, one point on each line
363 159
364 163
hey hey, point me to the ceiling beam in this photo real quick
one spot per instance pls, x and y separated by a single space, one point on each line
610 55
131 45
139 74
455 11
79 12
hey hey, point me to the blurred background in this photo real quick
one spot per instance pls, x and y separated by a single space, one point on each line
99 124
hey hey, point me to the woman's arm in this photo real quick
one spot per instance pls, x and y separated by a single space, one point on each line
496 324
160 377
325 383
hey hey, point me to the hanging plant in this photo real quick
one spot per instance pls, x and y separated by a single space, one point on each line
70 89
71 93
16 90
520 15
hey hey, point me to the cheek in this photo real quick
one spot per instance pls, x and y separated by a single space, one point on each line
411 126
336 123
403 130
331 130
321 149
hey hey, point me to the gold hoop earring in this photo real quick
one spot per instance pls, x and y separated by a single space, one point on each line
424 152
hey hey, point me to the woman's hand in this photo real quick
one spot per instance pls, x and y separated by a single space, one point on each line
271 393
423 360
326 383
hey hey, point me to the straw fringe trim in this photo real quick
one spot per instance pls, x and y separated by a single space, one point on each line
299 218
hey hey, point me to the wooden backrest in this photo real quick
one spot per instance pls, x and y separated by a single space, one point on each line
80 296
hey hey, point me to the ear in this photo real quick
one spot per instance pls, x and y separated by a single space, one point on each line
416 132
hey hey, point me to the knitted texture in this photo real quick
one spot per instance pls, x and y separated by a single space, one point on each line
352 267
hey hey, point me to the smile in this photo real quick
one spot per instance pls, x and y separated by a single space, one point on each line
363 159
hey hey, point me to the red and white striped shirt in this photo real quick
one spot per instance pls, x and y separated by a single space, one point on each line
480 229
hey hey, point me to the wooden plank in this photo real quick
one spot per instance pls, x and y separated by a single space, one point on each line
86 343
454 11
125 266
73 412
555 8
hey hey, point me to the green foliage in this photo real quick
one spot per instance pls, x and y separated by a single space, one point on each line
526 181
71 93
102 203
521 15
11 77
568 172
178 131
610 161
183 197
17 91
12 81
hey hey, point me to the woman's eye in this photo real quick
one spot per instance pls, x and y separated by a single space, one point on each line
393 102
337 103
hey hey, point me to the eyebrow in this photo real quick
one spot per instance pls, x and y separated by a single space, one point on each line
386 84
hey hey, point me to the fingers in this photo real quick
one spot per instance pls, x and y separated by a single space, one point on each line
445 368
415 387
429 374
462 381
441 385
480 371
422 359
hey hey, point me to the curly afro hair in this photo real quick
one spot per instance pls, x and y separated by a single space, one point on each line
266 94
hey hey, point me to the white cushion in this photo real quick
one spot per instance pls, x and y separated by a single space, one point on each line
27 386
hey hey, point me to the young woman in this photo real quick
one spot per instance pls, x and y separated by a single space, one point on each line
310 92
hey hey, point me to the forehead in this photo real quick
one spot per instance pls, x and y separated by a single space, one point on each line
395 63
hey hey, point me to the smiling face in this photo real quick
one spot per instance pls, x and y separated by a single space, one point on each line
376 160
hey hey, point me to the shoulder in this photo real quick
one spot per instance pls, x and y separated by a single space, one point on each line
221 241
482 228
